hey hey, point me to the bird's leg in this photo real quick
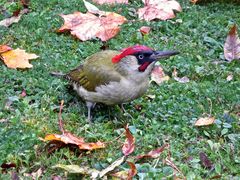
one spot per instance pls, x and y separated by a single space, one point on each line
123 109
90 106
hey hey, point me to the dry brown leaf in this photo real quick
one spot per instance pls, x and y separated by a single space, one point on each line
35 175
4 48
205 121
129 145
68 138
112 166
158 9
232 45
128 175
194 1
79 170
183 79
92 9
111 1
145 30
132 171
17 58
14 19
158 76
154 153
88 26
205 160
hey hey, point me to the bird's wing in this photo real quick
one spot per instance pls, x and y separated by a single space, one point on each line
97 70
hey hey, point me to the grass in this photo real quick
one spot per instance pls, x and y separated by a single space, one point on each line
198 33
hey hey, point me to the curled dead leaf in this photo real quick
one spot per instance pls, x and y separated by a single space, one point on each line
158 9
68 138
205 121
128 175
129 144
154 153
232 45
14 19
158 76
112 166
183 79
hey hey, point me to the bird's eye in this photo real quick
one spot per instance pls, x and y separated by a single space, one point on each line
140 56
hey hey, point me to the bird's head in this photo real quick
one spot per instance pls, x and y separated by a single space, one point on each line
141 56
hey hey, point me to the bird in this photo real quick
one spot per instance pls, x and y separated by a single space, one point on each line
114 77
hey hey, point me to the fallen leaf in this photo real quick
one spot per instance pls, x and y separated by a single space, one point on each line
154 153
88 26
17 58
92 9
129 144
232 45
205 121
158 76
111 1
79 170
145 30
158 9
205 161
35 175
170 163
229 77
14 19
112 166
183 79
68 138
194 1
132 171
128 175
4 48
120 175
6 166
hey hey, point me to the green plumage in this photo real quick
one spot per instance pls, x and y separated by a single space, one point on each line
97 70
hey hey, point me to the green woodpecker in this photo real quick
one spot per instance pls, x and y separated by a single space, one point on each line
113 77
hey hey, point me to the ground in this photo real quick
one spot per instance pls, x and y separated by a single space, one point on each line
198 32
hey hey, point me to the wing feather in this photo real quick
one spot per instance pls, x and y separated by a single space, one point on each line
97 70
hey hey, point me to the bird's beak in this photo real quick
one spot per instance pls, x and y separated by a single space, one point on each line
163 54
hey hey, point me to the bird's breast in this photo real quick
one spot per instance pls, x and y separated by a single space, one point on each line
115 92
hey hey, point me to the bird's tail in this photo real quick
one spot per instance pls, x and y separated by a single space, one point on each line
58 74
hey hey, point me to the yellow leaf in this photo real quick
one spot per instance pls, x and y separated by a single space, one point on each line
18 58
205 121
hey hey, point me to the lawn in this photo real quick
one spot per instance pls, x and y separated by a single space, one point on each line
198 32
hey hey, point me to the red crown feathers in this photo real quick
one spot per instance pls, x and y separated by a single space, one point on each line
129 51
